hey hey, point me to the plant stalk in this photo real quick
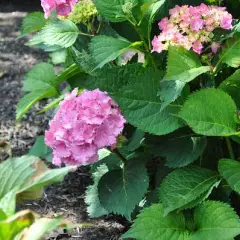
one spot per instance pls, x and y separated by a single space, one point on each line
230 149
124 160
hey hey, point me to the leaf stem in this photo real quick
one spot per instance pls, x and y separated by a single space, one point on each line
86 34
230 149
116 151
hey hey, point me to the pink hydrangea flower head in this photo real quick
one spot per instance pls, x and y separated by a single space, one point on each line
63 7
191 27
82 125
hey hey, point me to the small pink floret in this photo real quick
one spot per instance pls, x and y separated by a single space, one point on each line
82 125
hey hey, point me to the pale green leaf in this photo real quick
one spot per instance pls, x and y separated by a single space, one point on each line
33 22
230 170
59 56
41 227
27 174
182 186
8 202
151 224
142 108
215 220
95 209
232 86
113 10
210 112
231 52
106 49
183 67
120 191
62 33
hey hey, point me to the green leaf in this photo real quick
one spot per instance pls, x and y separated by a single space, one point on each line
142 108
230 171
41 83
27 174
151 224
121 190
62 33
231 52
106 49
136 140
40 77
232 86
215 220
8 203
41 227
40 149
95 209
180 151
106 157
59 56
113 10
12 226
149 16
3 216
183 186
203 114
33 22
113 79
183 67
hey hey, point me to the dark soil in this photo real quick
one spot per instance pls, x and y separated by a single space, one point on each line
65 199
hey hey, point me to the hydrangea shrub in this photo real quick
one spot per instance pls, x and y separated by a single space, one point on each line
148 98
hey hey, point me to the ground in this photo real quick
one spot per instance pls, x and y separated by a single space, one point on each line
65 199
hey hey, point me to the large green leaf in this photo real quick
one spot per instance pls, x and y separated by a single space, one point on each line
232 86
183 67
230 170
113 79
121 190
149 16
203 114
106 49
8 202
33 22
113 10
151 224
180 151
215 220
95 209
182 187
142 108
231 52
62 33
28 174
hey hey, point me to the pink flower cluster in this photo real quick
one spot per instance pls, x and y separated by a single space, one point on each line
191 27
83 124
63 7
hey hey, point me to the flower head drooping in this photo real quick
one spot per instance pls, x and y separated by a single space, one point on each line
63 7
83 124
191 27
83 11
